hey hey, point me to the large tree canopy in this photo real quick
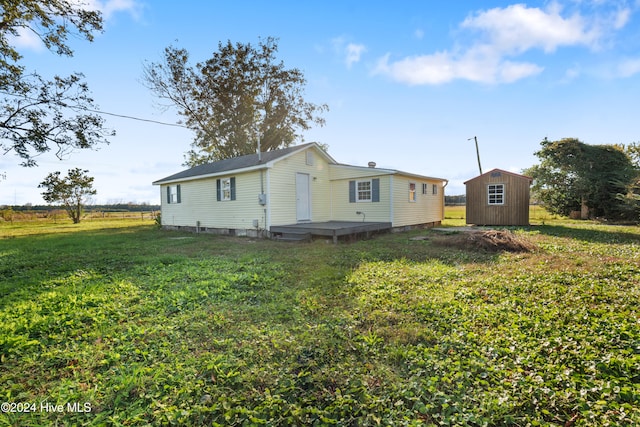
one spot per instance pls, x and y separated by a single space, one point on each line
37 114
239 97
572 173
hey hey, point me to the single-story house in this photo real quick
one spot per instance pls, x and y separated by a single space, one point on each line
498 197
252 195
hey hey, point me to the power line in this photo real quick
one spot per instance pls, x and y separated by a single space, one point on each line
106 113
134 118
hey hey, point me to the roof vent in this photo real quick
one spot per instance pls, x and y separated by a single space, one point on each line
372 164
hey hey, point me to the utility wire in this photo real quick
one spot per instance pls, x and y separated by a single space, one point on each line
134 118
124 116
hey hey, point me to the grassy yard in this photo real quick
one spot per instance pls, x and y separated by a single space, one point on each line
120 323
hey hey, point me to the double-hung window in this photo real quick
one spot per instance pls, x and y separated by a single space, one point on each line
226 189
495 193
364 191
367 190
173 194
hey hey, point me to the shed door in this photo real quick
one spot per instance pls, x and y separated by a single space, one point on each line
303 197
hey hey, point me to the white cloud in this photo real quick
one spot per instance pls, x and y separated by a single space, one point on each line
503 35
110 7
27 39
350 52
518 28
444 67
426 69
621 18
628 68
354 52
572 73
509 72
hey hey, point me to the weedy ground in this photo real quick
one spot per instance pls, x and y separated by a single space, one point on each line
149 327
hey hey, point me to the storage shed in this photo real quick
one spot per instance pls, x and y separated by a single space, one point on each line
498 197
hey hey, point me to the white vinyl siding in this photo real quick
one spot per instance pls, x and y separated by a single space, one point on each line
282 188
199 204
425 209
344 204
354 172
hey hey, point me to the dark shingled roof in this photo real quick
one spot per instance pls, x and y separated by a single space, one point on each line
235 163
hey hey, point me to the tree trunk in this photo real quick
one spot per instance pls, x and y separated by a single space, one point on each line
584 209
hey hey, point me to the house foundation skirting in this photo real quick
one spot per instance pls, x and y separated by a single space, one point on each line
241 232
416 226
311 228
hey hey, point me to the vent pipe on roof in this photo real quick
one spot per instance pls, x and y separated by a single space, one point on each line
372 164
259 152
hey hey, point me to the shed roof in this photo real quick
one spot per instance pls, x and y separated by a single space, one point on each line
242 163
493 171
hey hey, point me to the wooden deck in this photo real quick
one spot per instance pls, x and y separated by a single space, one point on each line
333 229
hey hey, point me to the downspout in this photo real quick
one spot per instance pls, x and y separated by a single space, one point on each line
446 182
261 170
391 218
262 195
267 209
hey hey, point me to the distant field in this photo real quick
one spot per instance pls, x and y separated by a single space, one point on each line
62 224
115 322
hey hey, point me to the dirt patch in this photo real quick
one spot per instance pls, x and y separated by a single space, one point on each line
487 240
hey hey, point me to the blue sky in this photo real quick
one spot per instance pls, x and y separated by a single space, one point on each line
407 82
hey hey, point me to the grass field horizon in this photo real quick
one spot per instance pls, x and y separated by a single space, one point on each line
121 323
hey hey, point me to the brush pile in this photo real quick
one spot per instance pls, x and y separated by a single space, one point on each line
487 240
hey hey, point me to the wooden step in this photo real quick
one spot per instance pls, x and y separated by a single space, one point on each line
292 236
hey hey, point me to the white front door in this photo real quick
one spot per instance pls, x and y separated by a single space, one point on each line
303 197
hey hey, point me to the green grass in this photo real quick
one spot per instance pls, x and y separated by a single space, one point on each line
164 328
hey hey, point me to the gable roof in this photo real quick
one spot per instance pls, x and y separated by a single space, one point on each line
501 171
240 164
